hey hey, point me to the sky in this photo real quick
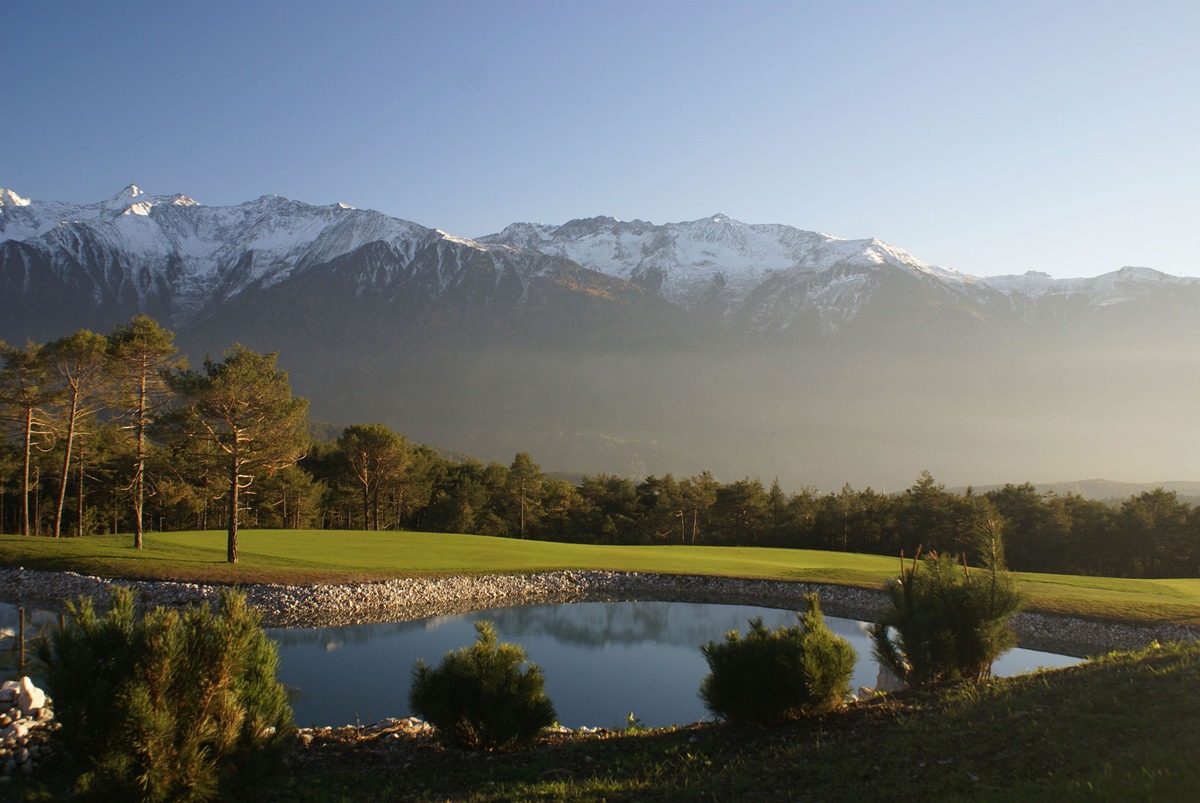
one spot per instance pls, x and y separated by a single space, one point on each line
989 137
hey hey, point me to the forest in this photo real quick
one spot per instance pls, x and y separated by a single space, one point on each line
115 434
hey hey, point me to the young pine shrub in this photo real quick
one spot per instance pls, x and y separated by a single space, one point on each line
946 622
486 696
169 705
773 675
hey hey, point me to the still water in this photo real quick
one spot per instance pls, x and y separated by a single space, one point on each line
602 660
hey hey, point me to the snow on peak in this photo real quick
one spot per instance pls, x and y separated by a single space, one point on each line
10 198
1114 287
1134 273
445 235
341 205
125 199
197 249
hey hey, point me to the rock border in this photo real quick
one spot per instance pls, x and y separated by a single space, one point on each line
26 717
406 599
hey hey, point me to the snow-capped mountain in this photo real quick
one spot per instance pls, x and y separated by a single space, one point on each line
176 251
711 264
179 259
24 219
1117 287
772 282
635 348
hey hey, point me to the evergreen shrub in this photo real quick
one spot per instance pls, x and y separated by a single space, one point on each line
171 705
773 675
946 622
486 696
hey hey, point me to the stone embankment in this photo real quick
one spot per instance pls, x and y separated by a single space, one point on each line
415 598
25 719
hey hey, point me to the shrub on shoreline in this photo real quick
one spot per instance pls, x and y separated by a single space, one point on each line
169 705
945 622
772 675
486 696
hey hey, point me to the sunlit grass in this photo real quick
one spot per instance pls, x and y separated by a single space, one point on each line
331 556
1175 600
338 555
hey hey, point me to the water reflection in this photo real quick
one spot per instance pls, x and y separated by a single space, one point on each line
37 625
602 660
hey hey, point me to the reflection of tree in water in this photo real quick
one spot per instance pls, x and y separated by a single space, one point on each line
10 617
334 637
587 624
599 624
38 623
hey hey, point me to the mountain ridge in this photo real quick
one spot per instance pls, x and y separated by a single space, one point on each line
178 256
636 348
763 246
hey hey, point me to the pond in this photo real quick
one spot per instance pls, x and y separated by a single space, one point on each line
603 661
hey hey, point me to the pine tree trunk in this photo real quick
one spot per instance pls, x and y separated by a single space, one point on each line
79 512
66 465
522 514
231 551
140 470
366 507
25 470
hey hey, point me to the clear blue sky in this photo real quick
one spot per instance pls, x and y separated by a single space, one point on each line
992 137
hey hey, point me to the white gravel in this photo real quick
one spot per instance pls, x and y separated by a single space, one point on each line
417 598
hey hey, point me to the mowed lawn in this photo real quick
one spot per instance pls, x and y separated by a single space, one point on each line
327 556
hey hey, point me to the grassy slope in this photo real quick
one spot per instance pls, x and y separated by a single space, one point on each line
308 556
1118 728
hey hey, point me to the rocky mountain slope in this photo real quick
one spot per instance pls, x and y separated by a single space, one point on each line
637 348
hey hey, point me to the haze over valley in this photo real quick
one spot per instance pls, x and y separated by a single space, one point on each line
641 348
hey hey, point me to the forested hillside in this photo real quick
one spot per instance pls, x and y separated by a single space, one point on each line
104 433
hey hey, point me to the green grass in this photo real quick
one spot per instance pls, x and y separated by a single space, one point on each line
330 556
1120 727
1173 600
336 555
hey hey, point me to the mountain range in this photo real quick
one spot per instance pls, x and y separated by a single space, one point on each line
638 348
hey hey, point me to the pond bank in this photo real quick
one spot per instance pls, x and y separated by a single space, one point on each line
404 599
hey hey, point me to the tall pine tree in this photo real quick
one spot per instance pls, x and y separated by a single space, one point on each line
78 367
25 390
140 354
243 408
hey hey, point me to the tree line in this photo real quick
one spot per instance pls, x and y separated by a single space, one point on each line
116 434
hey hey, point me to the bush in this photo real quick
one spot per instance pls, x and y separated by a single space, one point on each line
167 706
480 697
946 622
769 676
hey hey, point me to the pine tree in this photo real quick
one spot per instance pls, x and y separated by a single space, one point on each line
243 409
140 354
78 367
25 390
487 696
947 621
524 487
166 705
374 456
